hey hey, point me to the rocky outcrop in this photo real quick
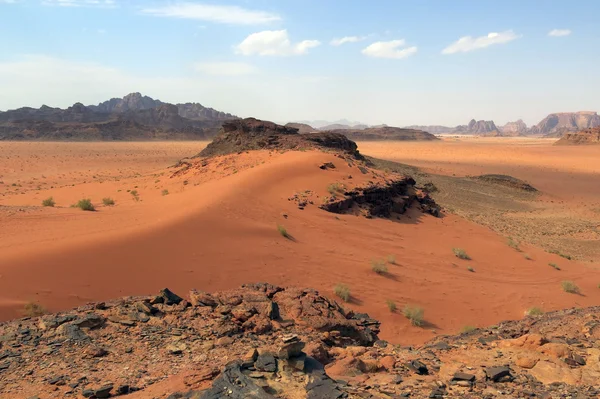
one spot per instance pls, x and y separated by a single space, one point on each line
555 125
385 133
265 341
508 181
133 117
255 134
518 128
302 127
584 137
477 127
382 200
433 129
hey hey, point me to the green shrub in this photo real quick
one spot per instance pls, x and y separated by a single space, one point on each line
467 329
108 201
283 231
85 205
527 257
391 259
513 244
461 254
554 265
48 202
342 291
391 305
378 266
32 309
335 188
570 287
165 192
534 311
557 252
471 269
136 195
414 314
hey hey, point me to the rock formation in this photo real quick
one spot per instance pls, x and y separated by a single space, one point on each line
518 128
302 127
584 137
477 127
264 341
385 133
555 125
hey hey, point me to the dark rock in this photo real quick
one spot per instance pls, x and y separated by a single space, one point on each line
103 392
323 387
90 320
266 362
418 367
72 332
497 373
123 389
327 165
87 393
233 384
169 298
463 377
290 349
200 298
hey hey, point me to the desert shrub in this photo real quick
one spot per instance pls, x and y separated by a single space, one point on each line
335 188
527 257
165 192
557 252
135 194
108 201
554 265
283 231
461 254
378 266
48 202
32 309
471 269
414 314
534 311
391 305
342 291
467 329
430 187
85 205
391 259
570 287
513 244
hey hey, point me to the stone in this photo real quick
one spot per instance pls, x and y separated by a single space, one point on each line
169 298
72 332
123 389
90 320
95 351
497 373
121 320
176 348
327 165
266 362
49 322
388 362
224 341
86 393
526 361
233 384
418 367
555 350
250 356
200 298
290 349
463 377
103 392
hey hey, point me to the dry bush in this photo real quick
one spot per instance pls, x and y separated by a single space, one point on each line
415 314
570 287
48 202
342 291
461 254
378 266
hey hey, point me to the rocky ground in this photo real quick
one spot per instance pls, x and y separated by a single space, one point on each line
263 341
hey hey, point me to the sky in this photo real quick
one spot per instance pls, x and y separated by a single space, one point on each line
399 62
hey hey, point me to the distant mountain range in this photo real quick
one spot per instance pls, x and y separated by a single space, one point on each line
133 117
554 125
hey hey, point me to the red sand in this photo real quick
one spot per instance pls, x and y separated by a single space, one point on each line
222 233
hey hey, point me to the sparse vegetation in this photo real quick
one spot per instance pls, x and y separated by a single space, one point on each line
342 291
335 188
108 201
534 311
32 309
378 266
165 192
557 252
391 305
414 314
471 269
554 265
513 244
135 194
570 287
391 259
461 254
430 187
283 231
48 202
85 205
527 257
467 329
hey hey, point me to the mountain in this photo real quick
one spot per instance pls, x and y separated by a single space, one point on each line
555 125
477 127
385 133
433 129
133 117
583 137
518 128
321 124
302 127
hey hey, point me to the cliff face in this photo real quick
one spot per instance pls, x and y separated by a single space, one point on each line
518 128
555 125
133 117
584 137
386 133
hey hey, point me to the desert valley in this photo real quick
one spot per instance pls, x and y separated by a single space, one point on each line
431 236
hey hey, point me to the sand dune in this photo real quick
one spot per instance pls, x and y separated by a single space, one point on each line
218 230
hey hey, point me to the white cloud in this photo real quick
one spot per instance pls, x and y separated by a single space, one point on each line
346 39
8 1
392 49
215 13
469 43
559 32
225 68
274 42
81 3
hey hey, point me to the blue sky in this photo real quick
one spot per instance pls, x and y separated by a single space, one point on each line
401 62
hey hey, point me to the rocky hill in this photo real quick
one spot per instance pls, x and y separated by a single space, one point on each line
555 125
302 127
477 127
433 129
385 133
133 117
584 137
263 342
518 128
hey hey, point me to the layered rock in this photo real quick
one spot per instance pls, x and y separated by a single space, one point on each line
555 125
302 127
584 137
385 133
